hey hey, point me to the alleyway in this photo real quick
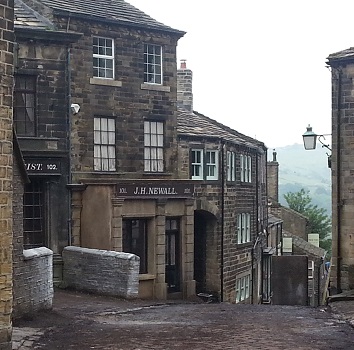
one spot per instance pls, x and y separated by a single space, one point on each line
80 321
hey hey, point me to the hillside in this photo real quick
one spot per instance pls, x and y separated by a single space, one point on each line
304 169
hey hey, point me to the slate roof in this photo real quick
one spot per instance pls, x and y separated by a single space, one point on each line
26 17
118 11
342 55
272 220
199 126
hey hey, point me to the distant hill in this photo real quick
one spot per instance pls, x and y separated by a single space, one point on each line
304 169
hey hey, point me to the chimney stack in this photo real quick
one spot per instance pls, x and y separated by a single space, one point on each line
273 178
184 87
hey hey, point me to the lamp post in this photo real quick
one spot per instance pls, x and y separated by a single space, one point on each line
310 138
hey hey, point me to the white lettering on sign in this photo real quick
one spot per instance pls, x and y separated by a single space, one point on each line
155 191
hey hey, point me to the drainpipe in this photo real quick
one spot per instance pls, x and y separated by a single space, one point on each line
69 126
222 220
338 184
255 244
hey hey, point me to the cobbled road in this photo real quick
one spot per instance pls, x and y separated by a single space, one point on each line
89 322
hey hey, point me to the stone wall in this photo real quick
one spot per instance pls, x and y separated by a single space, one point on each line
6 69
33 288
101 271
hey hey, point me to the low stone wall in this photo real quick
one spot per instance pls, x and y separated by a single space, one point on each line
101 271
33 282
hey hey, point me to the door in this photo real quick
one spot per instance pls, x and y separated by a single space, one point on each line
200 251
172 255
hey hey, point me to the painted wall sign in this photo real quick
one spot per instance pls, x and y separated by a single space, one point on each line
171 189
43 166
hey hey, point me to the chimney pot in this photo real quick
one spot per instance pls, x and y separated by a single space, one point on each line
183 64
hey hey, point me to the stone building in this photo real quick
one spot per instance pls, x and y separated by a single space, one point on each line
230 211
41 122
342 168
6 193
126 191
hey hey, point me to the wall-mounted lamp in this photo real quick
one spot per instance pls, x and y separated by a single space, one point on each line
310 139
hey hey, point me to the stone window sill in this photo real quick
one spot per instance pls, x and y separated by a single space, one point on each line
146 277
155 87
105 82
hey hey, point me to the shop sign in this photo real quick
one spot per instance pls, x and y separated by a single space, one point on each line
172 189
43 166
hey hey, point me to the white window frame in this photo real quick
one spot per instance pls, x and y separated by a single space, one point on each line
198 164
243 228
246 168
103 52
104 144
153 64
153 146
243 288
230 166
212 165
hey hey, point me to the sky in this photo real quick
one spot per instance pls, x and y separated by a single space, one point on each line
259 66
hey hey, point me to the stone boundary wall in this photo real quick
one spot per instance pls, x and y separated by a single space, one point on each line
101 271
34 288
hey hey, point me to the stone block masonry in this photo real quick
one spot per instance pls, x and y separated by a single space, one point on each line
6 77
34 286
101 271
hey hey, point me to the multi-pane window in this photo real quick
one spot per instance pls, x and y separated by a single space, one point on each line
197 164
243 288
246 168
24 105
135 240
33 211
204 164
230 166
153 146
243 228
103 58
212 165
152 64
104 144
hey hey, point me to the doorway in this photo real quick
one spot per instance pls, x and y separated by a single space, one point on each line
172 247
200 232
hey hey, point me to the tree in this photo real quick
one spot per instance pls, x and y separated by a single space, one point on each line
319 221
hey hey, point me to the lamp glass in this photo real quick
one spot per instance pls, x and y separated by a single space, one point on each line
310 139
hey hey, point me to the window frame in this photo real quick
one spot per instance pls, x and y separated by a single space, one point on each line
141 244
153 68
103 57
242 288
245 168
23 94
197 164
104 151
230 166
154 146
34 235
212 165
243 226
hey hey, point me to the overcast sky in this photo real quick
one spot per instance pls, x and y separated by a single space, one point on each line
259 66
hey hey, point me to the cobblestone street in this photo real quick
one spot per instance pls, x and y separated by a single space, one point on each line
81 322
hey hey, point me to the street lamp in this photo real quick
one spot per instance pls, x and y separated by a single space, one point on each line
310 139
